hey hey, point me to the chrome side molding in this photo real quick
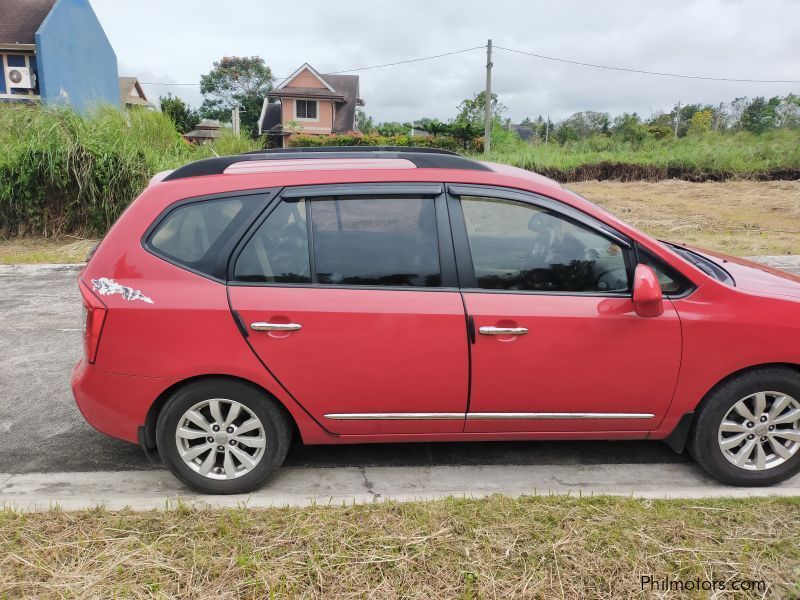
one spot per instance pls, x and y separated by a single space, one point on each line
394 416
486 416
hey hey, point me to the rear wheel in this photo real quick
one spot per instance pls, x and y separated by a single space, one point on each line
222 437
747 431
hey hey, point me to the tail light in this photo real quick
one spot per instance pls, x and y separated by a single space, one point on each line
94 312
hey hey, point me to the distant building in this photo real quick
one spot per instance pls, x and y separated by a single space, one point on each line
55 51
309 103
131 93
206 130
524 132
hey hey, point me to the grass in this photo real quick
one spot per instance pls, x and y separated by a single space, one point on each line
537 547
711 156
744 218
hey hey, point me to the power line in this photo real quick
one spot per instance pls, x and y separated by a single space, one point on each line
391 64
642 71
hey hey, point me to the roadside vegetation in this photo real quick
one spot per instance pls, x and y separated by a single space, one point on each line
499 547
61 173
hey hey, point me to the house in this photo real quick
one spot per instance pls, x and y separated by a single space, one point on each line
310 103
131 93
206 130
55 51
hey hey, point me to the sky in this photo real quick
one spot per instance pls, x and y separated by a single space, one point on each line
176 41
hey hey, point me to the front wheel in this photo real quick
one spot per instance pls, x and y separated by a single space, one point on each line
222 437
747 431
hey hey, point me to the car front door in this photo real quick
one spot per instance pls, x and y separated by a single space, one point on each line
557 346
351 301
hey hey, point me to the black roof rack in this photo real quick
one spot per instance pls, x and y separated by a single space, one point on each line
423 158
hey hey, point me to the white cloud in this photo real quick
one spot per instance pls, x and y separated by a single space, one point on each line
177 41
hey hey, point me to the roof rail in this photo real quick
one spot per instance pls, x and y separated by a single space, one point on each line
422 158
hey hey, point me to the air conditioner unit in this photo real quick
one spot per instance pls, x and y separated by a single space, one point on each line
19 77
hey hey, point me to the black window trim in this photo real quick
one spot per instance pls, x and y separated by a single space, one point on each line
464 262
447 259
266 196
670 271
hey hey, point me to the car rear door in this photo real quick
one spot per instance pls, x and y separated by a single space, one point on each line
557 345
349 297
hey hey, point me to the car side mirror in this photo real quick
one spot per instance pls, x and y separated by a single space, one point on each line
648 299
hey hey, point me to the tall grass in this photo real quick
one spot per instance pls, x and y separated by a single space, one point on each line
64 173
713 155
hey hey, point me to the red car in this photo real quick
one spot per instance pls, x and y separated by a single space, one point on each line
383 295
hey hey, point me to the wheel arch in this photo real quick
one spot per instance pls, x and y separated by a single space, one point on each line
147 435
677 437
743 371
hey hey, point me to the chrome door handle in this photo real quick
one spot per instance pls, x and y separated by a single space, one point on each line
503 330
262 326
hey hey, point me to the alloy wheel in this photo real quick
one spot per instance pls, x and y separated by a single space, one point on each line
761 431
220 439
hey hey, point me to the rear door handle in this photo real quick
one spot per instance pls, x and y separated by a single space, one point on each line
262 326
503 330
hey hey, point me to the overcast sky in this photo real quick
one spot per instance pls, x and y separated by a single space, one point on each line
175 41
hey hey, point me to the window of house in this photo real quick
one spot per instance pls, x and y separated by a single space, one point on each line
306 109
376 241
517 246
278 251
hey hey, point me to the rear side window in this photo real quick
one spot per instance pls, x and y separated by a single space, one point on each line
376 242
200 235
278 251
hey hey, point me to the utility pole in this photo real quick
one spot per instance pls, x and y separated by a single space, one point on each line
547 130
677 118
487 111
235 121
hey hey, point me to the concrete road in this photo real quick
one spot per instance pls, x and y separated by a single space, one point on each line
41 430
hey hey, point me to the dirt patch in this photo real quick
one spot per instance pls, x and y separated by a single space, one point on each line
743 218
23 250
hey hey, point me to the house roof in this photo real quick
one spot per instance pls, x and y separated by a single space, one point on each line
131 92
341 89
21 19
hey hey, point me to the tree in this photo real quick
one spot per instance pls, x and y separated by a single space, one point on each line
700 122
393 128
364 122
184 117
242 81
760 114
628 127
473 109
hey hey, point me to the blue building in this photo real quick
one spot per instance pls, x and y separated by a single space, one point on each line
56 51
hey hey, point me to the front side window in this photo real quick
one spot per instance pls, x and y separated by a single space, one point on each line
380 242
306 109
517 246
278 250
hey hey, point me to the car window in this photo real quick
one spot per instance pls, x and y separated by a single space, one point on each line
278 250
188 233
516 246
376 241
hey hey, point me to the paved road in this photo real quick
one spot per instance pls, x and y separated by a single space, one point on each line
41 430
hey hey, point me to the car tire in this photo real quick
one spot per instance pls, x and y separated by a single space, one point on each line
240 455
717 451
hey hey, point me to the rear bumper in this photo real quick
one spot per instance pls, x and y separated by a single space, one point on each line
114 404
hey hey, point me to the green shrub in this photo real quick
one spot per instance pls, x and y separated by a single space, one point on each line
61 173
443 142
